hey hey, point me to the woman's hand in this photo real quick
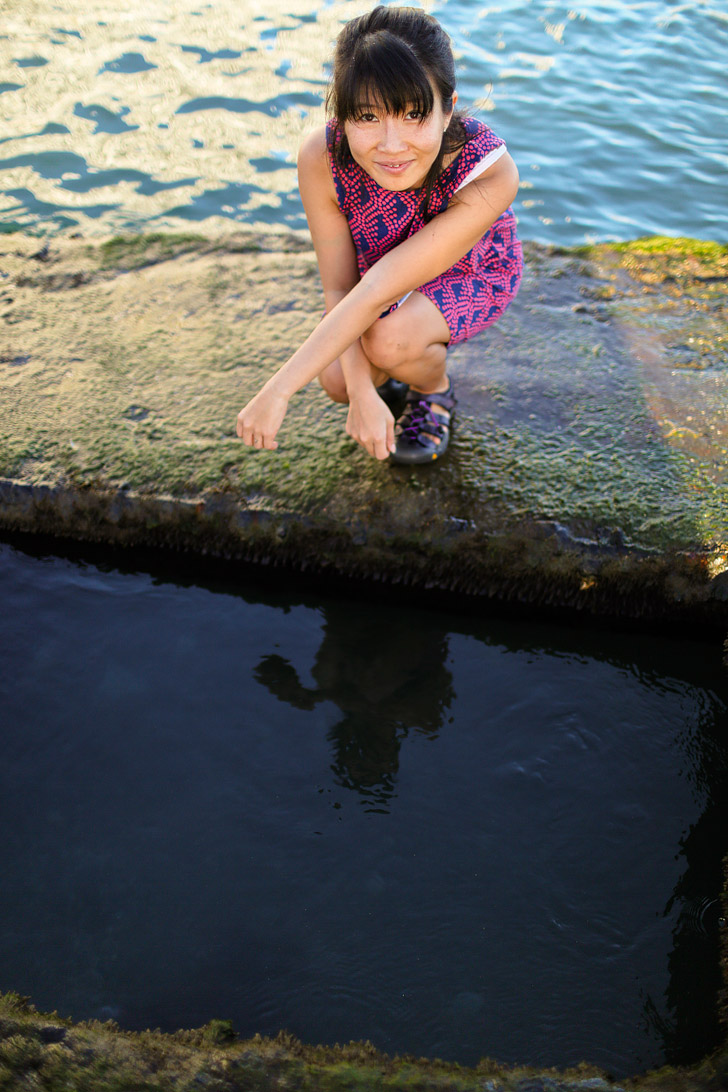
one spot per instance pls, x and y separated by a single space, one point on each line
259 421
371 424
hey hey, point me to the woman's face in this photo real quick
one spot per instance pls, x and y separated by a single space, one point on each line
397 150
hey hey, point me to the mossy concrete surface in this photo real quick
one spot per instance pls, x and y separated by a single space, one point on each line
588 466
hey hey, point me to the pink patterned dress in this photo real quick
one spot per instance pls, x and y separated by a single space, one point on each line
475 291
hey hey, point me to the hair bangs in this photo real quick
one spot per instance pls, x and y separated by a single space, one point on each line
394 59
386 74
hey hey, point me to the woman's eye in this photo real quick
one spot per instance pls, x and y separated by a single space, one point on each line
414 115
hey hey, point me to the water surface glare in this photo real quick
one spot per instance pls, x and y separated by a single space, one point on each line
160 115
455 837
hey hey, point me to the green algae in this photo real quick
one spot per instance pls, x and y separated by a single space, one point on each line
594 426
127 252
575 479
46 1051
593 416
678 258
672 247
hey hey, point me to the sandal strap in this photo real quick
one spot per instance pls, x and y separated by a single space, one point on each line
419 425
446 399
421 429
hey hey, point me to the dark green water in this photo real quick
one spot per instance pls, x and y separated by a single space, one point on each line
450 835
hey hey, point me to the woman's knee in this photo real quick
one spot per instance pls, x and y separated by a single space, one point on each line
387 343
333 382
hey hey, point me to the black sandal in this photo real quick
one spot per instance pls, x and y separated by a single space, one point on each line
393 393
419 428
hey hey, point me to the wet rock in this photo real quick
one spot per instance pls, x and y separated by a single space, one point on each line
540 1084
588 464
50 1034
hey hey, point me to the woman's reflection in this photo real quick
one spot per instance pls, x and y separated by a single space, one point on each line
386 672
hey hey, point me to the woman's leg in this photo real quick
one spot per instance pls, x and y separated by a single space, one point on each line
333 382
409 345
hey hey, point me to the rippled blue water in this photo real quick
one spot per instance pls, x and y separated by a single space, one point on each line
614 110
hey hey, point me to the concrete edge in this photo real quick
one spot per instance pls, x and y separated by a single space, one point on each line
539 564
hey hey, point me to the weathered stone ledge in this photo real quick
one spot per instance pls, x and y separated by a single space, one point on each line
587 470
536 564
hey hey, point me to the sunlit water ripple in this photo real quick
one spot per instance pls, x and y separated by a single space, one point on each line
163 116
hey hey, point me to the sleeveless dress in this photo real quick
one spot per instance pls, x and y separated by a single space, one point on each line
475 291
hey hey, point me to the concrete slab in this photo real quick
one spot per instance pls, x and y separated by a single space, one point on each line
590 455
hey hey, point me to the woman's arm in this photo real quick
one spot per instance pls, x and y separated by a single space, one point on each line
417 260
334 247
369 421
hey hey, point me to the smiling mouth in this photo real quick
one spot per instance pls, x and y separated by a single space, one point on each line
395 166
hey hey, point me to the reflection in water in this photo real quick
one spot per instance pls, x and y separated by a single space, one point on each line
509 887
400 684
695 975
403 685
31 62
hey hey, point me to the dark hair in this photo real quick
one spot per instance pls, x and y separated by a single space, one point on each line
394 56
